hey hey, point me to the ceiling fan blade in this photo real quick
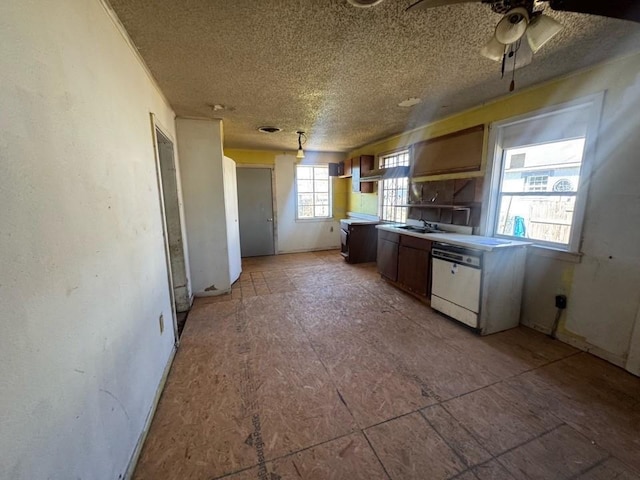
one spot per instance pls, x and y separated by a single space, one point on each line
542 29
522 56
493 50
623 9
424 4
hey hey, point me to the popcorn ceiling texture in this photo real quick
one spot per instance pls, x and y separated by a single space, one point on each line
339 72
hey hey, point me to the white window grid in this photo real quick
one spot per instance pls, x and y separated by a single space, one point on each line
313 192
394 192
494 195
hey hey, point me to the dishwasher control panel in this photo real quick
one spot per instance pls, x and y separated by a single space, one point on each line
463 256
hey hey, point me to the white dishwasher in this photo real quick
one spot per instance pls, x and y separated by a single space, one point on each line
456 282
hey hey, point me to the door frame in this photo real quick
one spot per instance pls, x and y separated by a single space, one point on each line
273 197
165 235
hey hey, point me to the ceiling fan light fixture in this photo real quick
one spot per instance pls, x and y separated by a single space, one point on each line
512 26
493 50
542 29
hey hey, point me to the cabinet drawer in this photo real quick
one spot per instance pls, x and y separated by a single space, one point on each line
413 242
388 236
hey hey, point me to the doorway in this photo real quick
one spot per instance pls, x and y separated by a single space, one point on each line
174 242
255 208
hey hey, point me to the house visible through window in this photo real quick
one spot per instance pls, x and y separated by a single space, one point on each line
393 192
537 183
539 174
313 192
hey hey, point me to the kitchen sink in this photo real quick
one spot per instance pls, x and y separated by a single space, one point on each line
413 228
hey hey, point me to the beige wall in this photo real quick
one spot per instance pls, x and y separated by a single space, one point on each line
603 289
83 278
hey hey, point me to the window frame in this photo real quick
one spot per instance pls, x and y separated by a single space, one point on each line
495 164
330 192
380 159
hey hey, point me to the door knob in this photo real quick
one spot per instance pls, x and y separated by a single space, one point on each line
269 219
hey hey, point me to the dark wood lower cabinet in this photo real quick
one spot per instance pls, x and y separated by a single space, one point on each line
406 261
388 259
358 242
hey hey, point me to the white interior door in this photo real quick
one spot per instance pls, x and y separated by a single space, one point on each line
231 211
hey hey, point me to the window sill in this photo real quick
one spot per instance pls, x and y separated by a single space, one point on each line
315 220
556 254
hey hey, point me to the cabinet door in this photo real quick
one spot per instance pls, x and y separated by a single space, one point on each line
366 164
388 259
347 168
413 269
457 152
361 164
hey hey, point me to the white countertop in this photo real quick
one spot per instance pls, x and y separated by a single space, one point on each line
358 221
469 241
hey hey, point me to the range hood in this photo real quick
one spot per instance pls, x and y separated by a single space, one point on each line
384 174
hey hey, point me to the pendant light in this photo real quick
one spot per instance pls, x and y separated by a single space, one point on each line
302 138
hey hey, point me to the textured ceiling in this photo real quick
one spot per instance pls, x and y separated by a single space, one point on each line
336 71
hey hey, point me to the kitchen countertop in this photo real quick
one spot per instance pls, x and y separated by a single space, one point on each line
469 241
358 221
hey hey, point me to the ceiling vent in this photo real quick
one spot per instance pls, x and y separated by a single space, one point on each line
364 3
269 129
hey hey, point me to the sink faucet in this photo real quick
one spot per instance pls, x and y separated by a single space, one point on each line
427 224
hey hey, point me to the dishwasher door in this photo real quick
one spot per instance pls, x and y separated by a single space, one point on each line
455 290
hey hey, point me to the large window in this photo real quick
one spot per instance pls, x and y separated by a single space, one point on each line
540 171
313 192
393 192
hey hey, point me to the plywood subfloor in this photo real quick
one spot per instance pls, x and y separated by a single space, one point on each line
315 369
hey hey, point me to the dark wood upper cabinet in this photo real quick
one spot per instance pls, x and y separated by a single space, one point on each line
346 169
456 152
360 164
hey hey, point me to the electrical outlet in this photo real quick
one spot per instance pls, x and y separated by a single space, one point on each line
161 322
561 302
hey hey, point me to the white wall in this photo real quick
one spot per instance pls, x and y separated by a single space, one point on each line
83 277
603 289
200 151
606 283
301 235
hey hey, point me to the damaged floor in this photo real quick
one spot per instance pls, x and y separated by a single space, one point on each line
316 369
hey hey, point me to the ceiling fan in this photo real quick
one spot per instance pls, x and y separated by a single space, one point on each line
522 31
622 9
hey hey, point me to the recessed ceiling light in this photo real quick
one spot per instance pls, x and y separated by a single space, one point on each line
364 3
410 102
269 129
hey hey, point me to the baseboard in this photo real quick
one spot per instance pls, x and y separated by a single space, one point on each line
307 250
592 349
143 436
